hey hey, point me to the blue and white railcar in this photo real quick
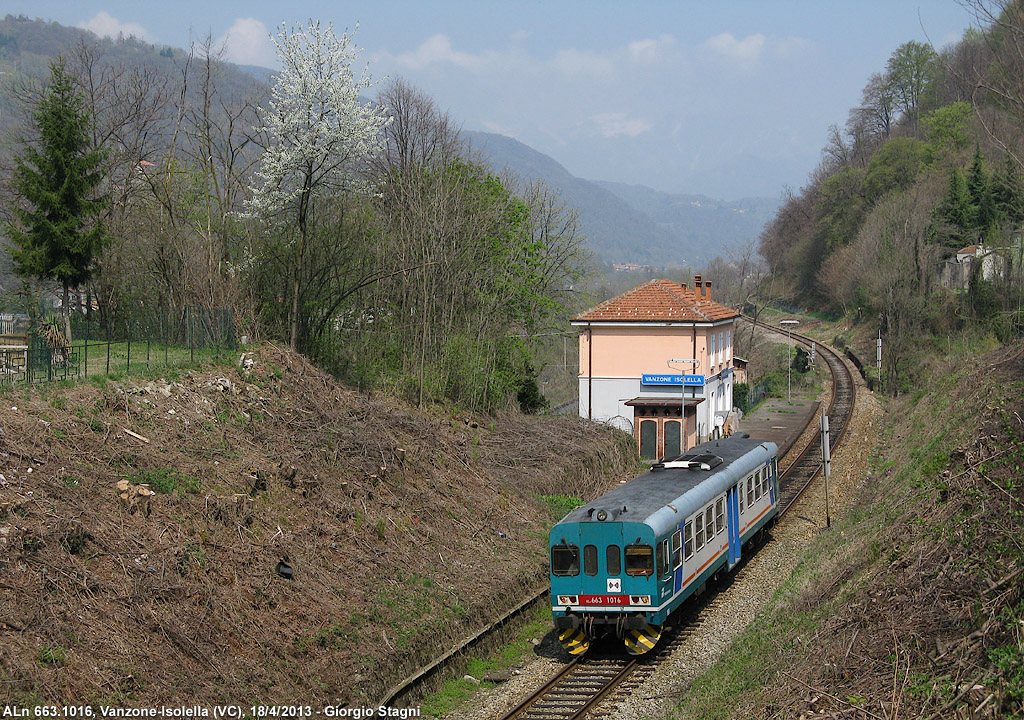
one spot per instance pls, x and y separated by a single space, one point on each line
624 562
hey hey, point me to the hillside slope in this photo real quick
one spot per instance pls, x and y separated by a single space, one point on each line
303 542
913 605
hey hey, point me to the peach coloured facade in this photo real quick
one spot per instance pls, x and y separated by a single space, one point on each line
631 351
627 377
621 355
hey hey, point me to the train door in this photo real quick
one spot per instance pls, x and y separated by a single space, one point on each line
732 507
602 554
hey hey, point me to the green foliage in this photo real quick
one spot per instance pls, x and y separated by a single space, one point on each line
559 505
167 481
910 73
953 216
894 166
842 205
946 128
52 655
57 233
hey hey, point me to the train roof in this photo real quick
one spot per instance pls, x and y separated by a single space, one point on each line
663 497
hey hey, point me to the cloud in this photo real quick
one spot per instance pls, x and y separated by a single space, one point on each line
617 123
650 50
247 42
437 50
105 25
745 51
576 62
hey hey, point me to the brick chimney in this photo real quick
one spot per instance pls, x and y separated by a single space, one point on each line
707 290
698 288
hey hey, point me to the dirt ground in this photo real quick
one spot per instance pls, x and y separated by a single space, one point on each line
260 533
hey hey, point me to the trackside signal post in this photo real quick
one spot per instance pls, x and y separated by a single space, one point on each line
789 324
826 463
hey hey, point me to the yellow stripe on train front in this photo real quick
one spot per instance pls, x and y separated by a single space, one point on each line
639 642
574 641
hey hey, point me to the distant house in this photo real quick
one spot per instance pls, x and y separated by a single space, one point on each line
955 272
657 362
630 267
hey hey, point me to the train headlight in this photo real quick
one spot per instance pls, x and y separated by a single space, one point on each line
602 515
568 599
639 599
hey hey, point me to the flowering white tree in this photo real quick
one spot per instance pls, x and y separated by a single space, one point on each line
317 134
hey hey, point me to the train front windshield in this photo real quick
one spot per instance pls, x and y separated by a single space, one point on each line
565 560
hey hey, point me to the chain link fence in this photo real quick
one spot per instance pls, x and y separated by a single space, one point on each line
147 341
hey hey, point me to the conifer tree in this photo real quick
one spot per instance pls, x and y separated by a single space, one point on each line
979 188
57 233
1008 194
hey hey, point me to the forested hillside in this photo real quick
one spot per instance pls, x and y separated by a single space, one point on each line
364 235
928 164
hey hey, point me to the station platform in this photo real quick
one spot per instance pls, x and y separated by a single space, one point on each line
779 420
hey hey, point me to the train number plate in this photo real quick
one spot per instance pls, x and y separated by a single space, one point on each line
604 599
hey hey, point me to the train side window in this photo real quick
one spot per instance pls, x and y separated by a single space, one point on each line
590 559
663 558
688 540
740 486
757 488
699 520
709 522
639 560
750 491
565 560
614 560
677 549
764 482
720 515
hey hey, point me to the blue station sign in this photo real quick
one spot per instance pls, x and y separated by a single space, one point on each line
689 380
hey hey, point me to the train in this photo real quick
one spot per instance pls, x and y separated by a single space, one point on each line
621 564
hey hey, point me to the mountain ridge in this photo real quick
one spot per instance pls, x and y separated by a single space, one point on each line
636 223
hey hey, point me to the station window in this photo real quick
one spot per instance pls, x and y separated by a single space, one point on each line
688 541
614 560
565 560
590 559
720 515
639 560
699 520
677 549
709 522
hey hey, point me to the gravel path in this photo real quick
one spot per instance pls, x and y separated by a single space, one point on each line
732 610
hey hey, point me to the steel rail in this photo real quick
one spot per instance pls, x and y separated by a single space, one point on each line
805 468
574 691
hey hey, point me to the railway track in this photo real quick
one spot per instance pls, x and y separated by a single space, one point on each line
798 476
588 687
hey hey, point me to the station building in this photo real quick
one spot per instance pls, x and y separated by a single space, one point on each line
656 361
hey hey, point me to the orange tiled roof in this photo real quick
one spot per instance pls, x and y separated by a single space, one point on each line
657 301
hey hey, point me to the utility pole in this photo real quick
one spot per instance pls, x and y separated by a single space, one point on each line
789 355
878 358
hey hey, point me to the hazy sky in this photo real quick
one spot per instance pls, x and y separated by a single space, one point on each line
725 98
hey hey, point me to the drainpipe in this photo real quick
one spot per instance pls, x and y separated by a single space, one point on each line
697 428
590 372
